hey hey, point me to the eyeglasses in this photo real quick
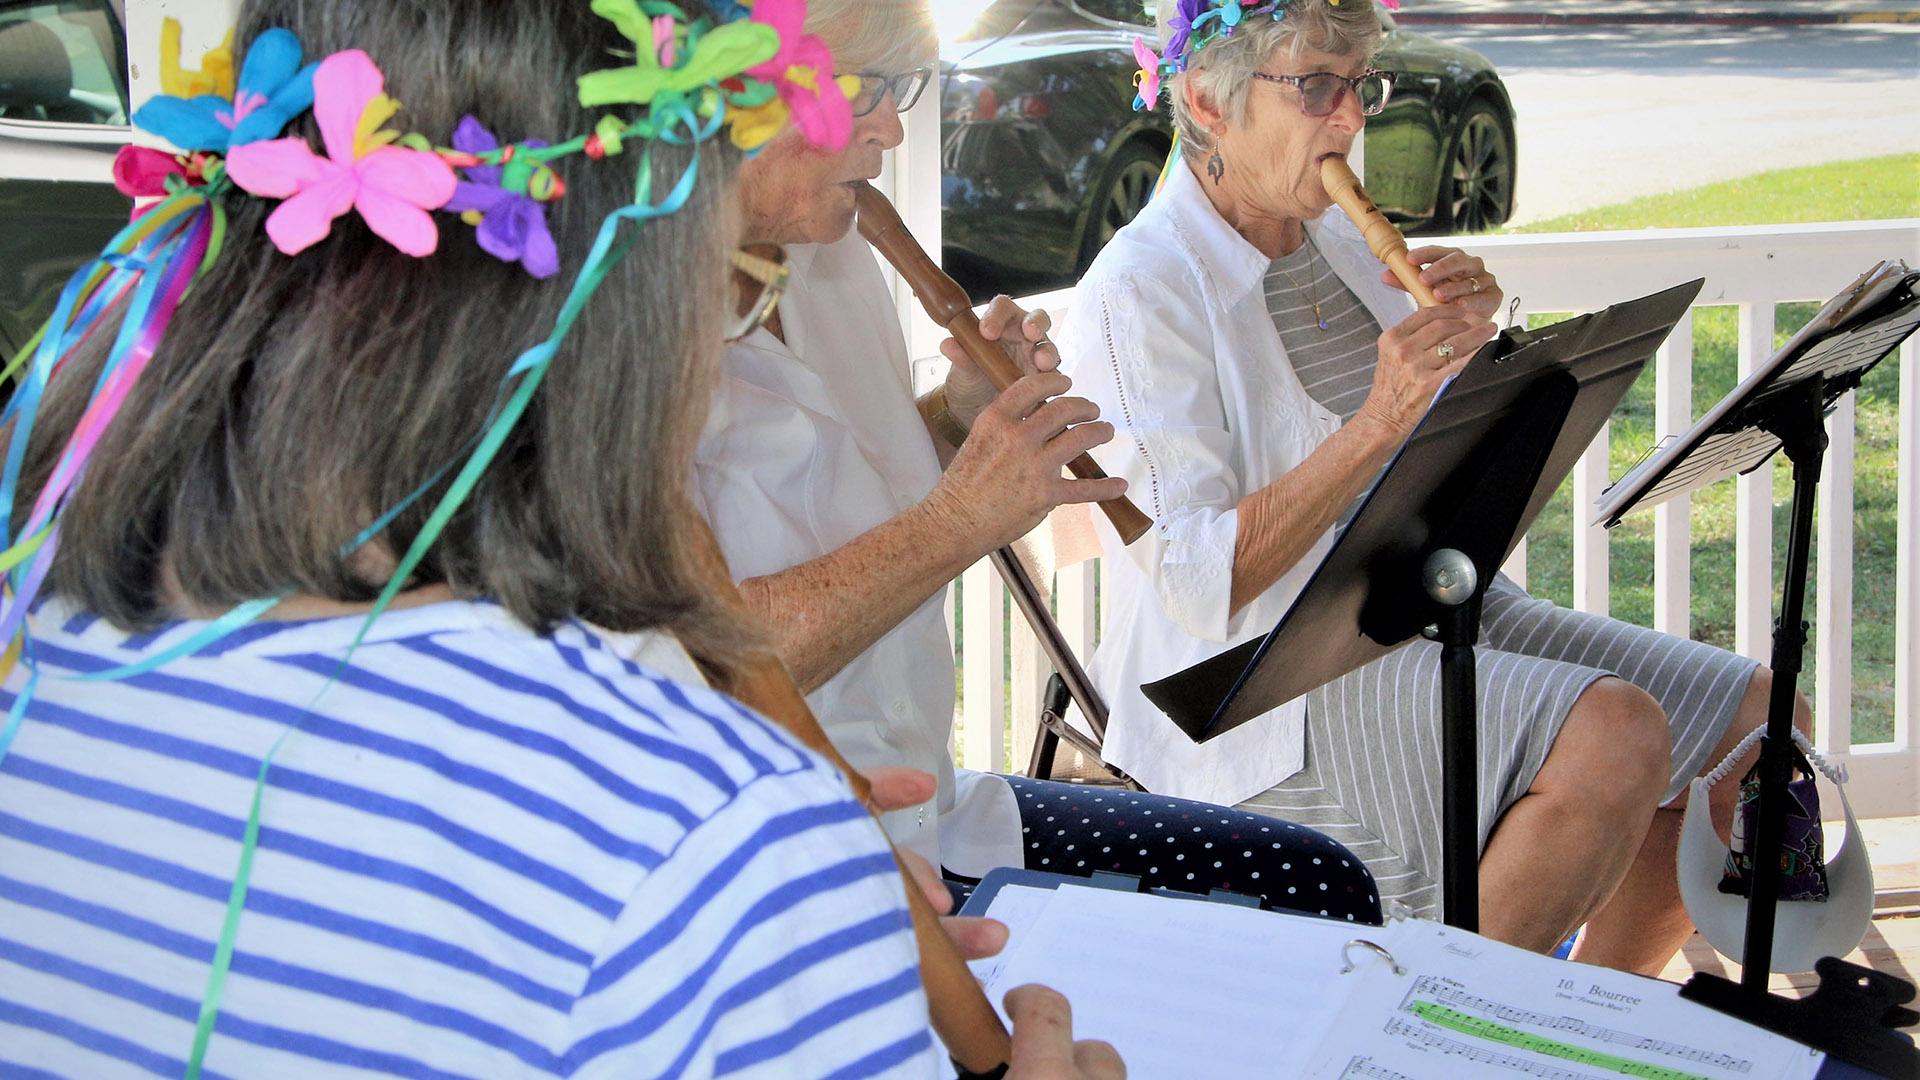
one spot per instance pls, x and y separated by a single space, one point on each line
906 89
1321 91
759 278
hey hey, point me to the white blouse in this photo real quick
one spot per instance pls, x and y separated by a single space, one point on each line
812 442
1169 334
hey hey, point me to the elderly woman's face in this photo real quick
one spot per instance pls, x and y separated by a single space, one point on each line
1274 154
793 193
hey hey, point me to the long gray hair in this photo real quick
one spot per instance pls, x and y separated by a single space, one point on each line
1223 71
294 399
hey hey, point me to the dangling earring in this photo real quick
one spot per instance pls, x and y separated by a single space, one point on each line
1216 168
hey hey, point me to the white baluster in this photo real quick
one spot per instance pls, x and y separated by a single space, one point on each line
1753 514
1590 563
1906 625
1673 519
1833 602
983 674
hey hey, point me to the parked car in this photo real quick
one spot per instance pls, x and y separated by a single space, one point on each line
63 115
1044 159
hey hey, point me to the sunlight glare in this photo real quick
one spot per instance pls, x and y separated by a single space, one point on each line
953 18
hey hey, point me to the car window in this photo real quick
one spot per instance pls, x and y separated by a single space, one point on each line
60 61
1127 11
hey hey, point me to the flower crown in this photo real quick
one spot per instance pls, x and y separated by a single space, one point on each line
1195 25
750 70
757 71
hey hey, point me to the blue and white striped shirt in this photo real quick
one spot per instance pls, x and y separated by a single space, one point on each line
484 852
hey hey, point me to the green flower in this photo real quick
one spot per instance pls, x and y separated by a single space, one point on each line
669 57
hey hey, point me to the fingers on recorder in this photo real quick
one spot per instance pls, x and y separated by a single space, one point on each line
1049 431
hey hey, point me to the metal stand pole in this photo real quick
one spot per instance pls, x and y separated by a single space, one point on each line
1801 428
1453 583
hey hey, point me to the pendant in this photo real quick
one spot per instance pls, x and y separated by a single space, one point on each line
1316 314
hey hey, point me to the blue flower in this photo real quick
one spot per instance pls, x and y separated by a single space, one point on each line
273 88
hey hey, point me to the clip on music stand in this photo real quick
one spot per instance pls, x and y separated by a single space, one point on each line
1781 406
1417 556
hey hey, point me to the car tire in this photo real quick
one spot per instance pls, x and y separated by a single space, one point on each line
1124 190
1476 182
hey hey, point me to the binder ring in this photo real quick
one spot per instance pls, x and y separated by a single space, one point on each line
1346 954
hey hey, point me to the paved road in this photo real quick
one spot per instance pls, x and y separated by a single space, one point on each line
1609 113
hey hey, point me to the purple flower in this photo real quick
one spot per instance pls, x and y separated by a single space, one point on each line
1181 25
512 223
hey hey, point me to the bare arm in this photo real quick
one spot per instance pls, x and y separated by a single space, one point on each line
1280 523
827 611
996 488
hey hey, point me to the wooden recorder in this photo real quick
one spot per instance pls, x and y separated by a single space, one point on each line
946 302
1383 239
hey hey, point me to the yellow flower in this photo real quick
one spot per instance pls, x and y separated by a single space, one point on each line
216 67
752 128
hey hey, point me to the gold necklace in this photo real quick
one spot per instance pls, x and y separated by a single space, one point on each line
1313 297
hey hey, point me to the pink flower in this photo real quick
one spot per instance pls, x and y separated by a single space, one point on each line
391 186
1148 77
141 172
803 72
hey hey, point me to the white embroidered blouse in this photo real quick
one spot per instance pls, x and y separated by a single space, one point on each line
1170 335
812 441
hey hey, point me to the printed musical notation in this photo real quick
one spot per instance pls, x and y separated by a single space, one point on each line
1363 1068
1454 1004
1447 993
1434 1038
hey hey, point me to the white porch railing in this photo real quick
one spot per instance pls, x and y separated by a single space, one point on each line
1754 268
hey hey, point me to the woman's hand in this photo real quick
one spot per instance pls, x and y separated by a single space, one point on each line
1025 336
1043 1046
1425 350
1456 278
897 788
1007 475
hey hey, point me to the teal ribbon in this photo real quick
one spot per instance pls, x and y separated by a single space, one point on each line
524 378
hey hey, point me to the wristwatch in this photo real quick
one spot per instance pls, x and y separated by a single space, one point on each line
940 417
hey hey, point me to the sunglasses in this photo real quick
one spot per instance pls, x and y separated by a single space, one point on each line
906 89
1321 91
759 278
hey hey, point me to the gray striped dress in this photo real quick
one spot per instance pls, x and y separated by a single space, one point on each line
1372 775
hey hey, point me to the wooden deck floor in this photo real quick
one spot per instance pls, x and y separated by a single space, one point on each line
1892 944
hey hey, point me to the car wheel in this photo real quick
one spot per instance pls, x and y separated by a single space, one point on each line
1124 192
1476 187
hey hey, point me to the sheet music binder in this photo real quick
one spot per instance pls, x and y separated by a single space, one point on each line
1444 996
1366 597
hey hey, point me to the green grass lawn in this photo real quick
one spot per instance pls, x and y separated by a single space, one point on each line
1877 188
1866 190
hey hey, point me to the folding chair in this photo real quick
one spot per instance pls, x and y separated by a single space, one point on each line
1064 539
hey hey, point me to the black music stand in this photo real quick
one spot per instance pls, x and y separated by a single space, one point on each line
1781 406
1417 556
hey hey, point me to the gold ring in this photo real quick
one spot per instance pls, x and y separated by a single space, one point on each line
1444 350
1475 282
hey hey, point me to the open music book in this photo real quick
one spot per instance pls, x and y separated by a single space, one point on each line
1184 988
1849 334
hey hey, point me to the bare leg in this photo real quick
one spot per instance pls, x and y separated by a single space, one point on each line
1644 923
1558 853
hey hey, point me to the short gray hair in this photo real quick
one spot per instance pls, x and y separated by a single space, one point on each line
886 37
1223 71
